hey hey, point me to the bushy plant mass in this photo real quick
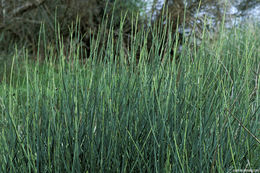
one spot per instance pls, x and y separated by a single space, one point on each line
133 109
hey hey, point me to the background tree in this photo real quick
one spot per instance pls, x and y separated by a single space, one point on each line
244 6
214 9
20 20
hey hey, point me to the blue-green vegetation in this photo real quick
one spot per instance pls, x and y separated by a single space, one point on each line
118 115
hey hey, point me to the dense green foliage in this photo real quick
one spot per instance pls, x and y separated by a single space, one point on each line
117 115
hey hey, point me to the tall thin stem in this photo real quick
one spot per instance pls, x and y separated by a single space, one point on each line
3 10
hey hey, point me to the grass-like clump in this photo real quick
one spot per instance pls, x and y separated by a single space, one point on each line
192 111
